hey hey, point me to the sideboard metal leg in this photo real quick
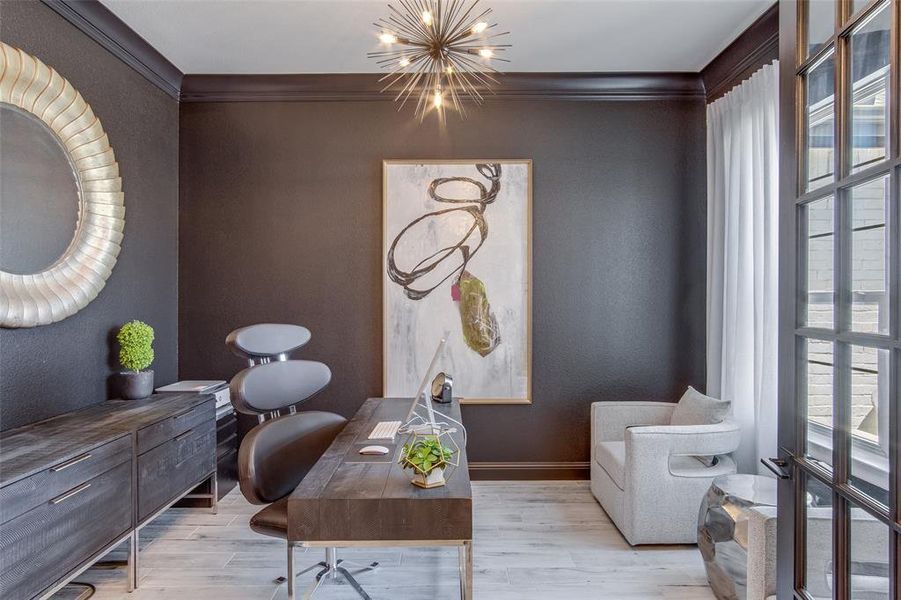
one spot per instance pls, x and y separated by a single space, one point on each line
133 561
214 494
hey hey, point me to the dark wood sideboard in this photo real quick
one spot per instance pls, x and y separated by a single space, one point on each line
76 486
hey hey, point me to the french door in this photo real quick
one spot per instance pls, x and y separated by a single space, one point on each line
840 354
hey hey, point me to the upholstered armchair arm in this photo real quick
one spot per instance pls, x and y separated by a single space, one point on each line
609 420
660 442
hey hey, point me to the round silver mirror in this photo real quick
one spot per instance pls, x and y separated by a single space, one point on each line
38 194
62 209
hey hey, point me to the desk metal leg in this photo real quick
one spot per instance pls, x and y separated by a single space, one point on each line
291 575
466 570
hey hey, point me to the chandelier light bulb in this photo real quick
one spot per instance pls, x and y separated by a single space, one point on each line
438 99
449 70
404 62
426 17
479 27
388 38
486 53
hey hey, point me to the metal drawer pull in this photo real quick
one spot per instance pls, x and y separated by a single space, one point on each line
179 438
71 493
69 463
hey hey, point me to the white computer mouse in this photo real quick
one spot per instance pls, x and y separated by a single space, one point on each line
374 450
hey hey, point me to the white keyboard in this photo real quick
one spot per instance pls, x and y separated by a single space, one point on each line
384 430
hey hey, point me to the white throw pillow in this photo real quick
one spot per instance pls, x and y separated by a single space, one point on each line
694 408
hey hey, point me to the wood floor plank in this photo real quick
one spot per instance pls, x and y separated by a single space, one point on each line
547 540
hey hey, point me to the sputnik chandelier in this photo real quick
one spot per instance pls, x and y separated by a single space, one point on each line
439 51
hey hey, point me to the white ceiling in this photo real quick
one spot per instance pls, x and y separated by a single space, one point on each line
333 36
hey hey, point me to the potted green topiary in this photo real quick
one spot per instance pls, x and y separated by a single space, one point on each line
136 354
427 457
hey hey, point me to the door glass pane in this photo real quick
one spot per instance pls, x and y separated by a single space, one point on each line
856 5
820 85
818 568
820 23
869 556
820 259
870 421
870 47
819 401
869 257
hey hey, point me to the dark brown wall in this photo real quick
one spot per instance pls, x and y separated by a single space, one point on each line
280 221
56 368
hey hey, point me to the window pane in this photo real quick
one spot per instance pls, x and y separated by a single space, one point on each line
869 257
869 557
820 259
820 23
818 572
819 401
856 5
870 46
870 421
820 85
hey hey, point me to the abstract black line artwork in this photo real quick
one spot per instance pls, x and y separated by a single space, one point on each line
457 260
479 325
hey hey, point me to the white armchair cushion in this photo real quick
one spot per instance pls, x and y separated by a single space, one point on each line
694 408
612 458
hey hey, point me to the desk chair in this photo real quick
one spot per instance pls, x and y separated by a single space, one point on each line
276 454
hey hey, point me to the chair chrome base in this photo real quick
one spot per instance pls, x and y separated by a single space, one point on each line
331 568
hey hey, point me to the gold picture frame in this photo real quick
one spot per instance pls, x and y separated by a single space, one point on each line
386 165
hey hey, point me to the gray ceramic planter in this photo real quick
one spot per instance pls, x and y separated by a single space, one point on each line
135 386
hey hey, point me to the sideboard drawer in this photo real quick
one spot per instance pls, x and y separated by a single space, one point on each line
174 466
45 543
162 431
21 496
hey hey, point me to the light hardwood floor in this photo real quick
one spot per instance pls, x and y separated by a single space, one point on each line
547 540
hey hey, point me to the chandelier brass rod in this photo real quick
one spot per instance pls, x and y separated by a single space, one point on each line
447 23
402 22
415 76
464 76
477 73
414 24
457 26
462 32
467 28
411 85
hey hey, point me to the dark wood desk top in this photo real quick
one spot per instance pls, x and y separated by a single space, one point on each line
351 497
27 450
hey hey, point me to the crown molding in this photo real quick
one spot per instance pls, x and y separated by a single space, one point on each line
757 45
367 87
101 25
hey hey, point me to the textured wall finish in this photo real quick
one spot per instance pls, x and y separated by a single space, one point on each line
281 221
64 366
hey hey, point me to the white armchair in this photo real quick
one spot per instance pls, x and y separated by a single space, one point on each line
645 473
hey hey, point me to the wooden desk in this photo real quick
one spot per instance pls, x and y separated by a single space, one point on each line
348 499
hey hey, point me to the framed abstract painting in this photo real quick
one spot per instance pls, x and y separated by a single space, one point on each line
457 261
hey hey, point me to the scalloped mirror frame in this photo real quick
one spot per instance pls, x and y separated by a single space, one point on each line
70 283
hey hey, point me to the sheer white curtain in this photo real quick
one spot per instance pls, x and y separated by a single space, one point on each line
742 258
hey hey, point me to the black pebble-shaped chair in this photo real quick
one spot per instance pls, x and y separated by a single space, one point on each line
278 453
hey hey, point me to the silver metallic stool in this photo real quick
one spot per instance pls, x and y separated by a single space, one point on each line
278 453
